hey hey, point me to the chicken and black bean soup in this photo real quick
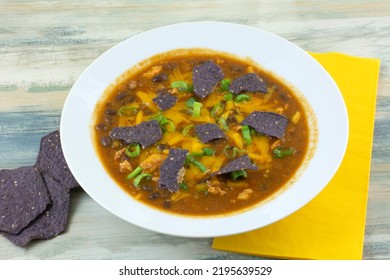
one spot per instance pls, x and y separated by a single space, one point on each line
199 132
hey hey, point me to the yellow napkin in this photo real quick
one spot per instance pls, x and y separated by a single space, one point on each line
332 225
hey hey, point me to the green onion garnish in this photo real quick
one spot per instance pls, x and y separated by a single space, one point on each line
186 130
217 109
190 102
134 173
208 151
281 152
238 174
138 179
242 97
181 85
228 96
163 121
232 152
127 111
205 152
246 134
222 123
197 108
225 84
183 186
192 160
133 150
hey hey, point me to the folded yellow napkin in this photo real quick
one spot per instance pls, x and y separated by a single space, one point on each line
332 225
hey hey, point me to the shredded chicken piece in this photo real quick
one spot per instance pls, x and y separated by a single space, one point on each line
125 166
152 162
216 191
119 153
275 144
153 71
132 84
245 194
214 187
174 90
180 175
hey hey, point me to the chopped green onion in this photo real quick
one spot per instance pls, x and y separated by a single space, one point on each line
232 152
205 152
127 111
222 123
225 84
228 96
133 150
197 108
190 102
138 179
238 174
186 130
242 97
134 173
281 152
181 85
183 186
246 134
208 151
217 109
163 121
196 154
191 159
168 121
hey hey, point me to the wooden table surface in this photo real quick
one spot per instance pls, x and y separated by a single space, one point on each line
45 45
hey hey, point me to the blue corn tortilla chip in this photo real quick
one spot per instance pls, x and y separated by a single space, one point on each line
23 197
145 133
165 101
241 163
267 123
51 160
171 171
51 222
209 131
205 77
249 82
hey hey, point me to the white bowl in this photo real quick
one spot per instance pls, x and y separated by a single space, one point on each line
273 53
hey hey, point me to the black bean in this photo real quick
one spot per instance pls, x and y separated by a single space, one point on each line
284 97
160 78
154 195
110 112
106 141
101 127
120 96
162 147
232 121
162 91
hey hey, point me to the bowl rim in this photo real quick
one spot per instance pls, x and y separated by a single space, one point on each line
101 73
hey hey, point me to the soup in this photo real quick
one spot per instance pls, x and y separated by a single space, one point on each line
200 132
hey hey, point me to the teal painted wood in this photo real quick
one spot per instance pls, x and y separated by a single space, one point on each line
45 46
